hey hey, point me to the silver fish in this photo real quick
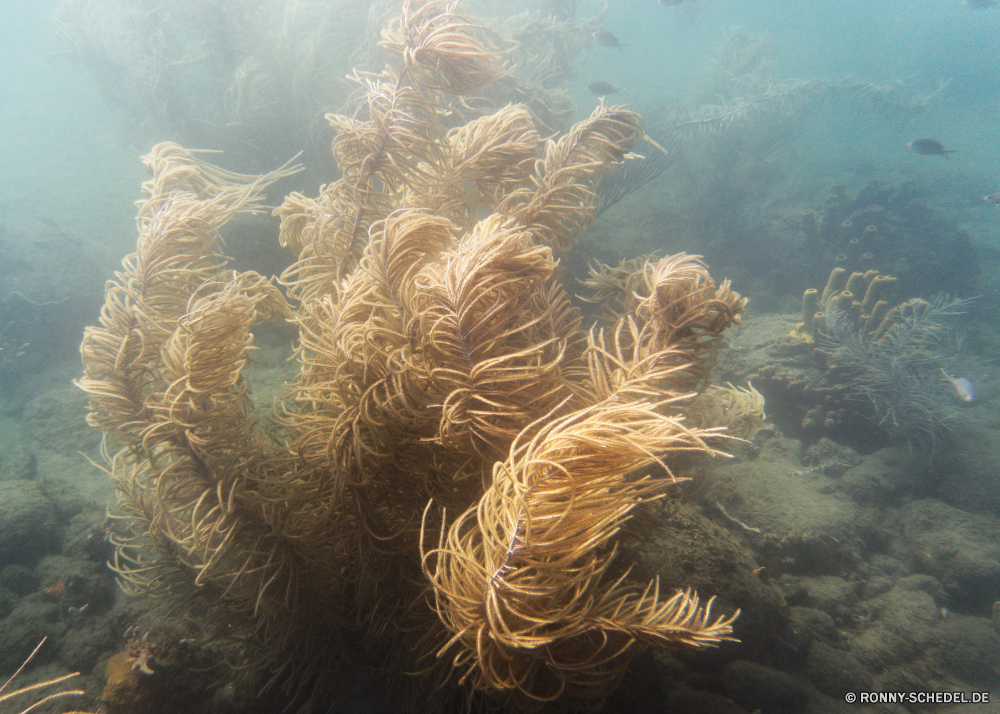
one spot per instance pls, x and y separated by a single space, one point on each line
966 390
607 39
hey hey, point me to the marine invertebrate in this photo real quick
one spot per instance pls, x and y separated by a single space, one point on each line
896 369
863 297
447 477
884 358
141 650
39 687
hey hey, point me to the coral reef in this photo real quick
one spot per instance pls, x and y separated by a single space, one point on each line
856 354
443 488
880 590
892 230
897 366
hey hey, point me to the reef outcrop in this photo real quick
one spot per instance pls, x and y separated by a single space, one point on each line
442 489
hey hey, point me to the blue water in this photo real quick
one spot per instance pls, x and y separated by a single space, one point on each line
910 530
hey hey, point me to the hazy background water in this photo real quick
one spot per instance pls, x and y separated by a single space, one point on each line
67 157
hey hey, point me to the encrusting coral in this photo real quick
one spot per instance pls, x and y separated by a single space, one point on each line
445 481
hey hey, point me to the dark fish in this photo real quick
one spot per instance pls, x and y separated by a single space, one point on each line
603 88
606 39
993 198
979 4
929 147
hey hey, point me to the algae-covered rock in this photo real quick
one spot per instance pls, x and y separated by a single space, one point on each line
969 649
828 593
686 549
961 549
803 522
807 625
883 478
755 686
17 461
902 628
835 671
28 524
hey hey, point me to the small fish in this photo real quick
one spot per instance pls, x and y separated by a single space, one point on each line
607 39
671 2
603 88
929 147
963 386
979 4
993 198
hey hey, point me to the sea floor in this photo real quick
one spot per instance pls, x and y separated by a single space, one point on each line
856 571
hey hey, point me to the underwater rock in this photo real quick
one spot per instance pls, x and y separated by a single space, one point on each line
885 477
921 582
961 549
807 625
902 623
887 566
28 525
19 579
83 582
831 458
31 619
835 671
969 473
86 642
877 586
833 595
755 686
804 522
969 649
685 700
17 461
8 600
87 537
55 419
70 498
686 549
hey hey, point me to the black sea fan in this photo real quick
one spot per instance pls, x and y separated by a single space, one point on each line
898 370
